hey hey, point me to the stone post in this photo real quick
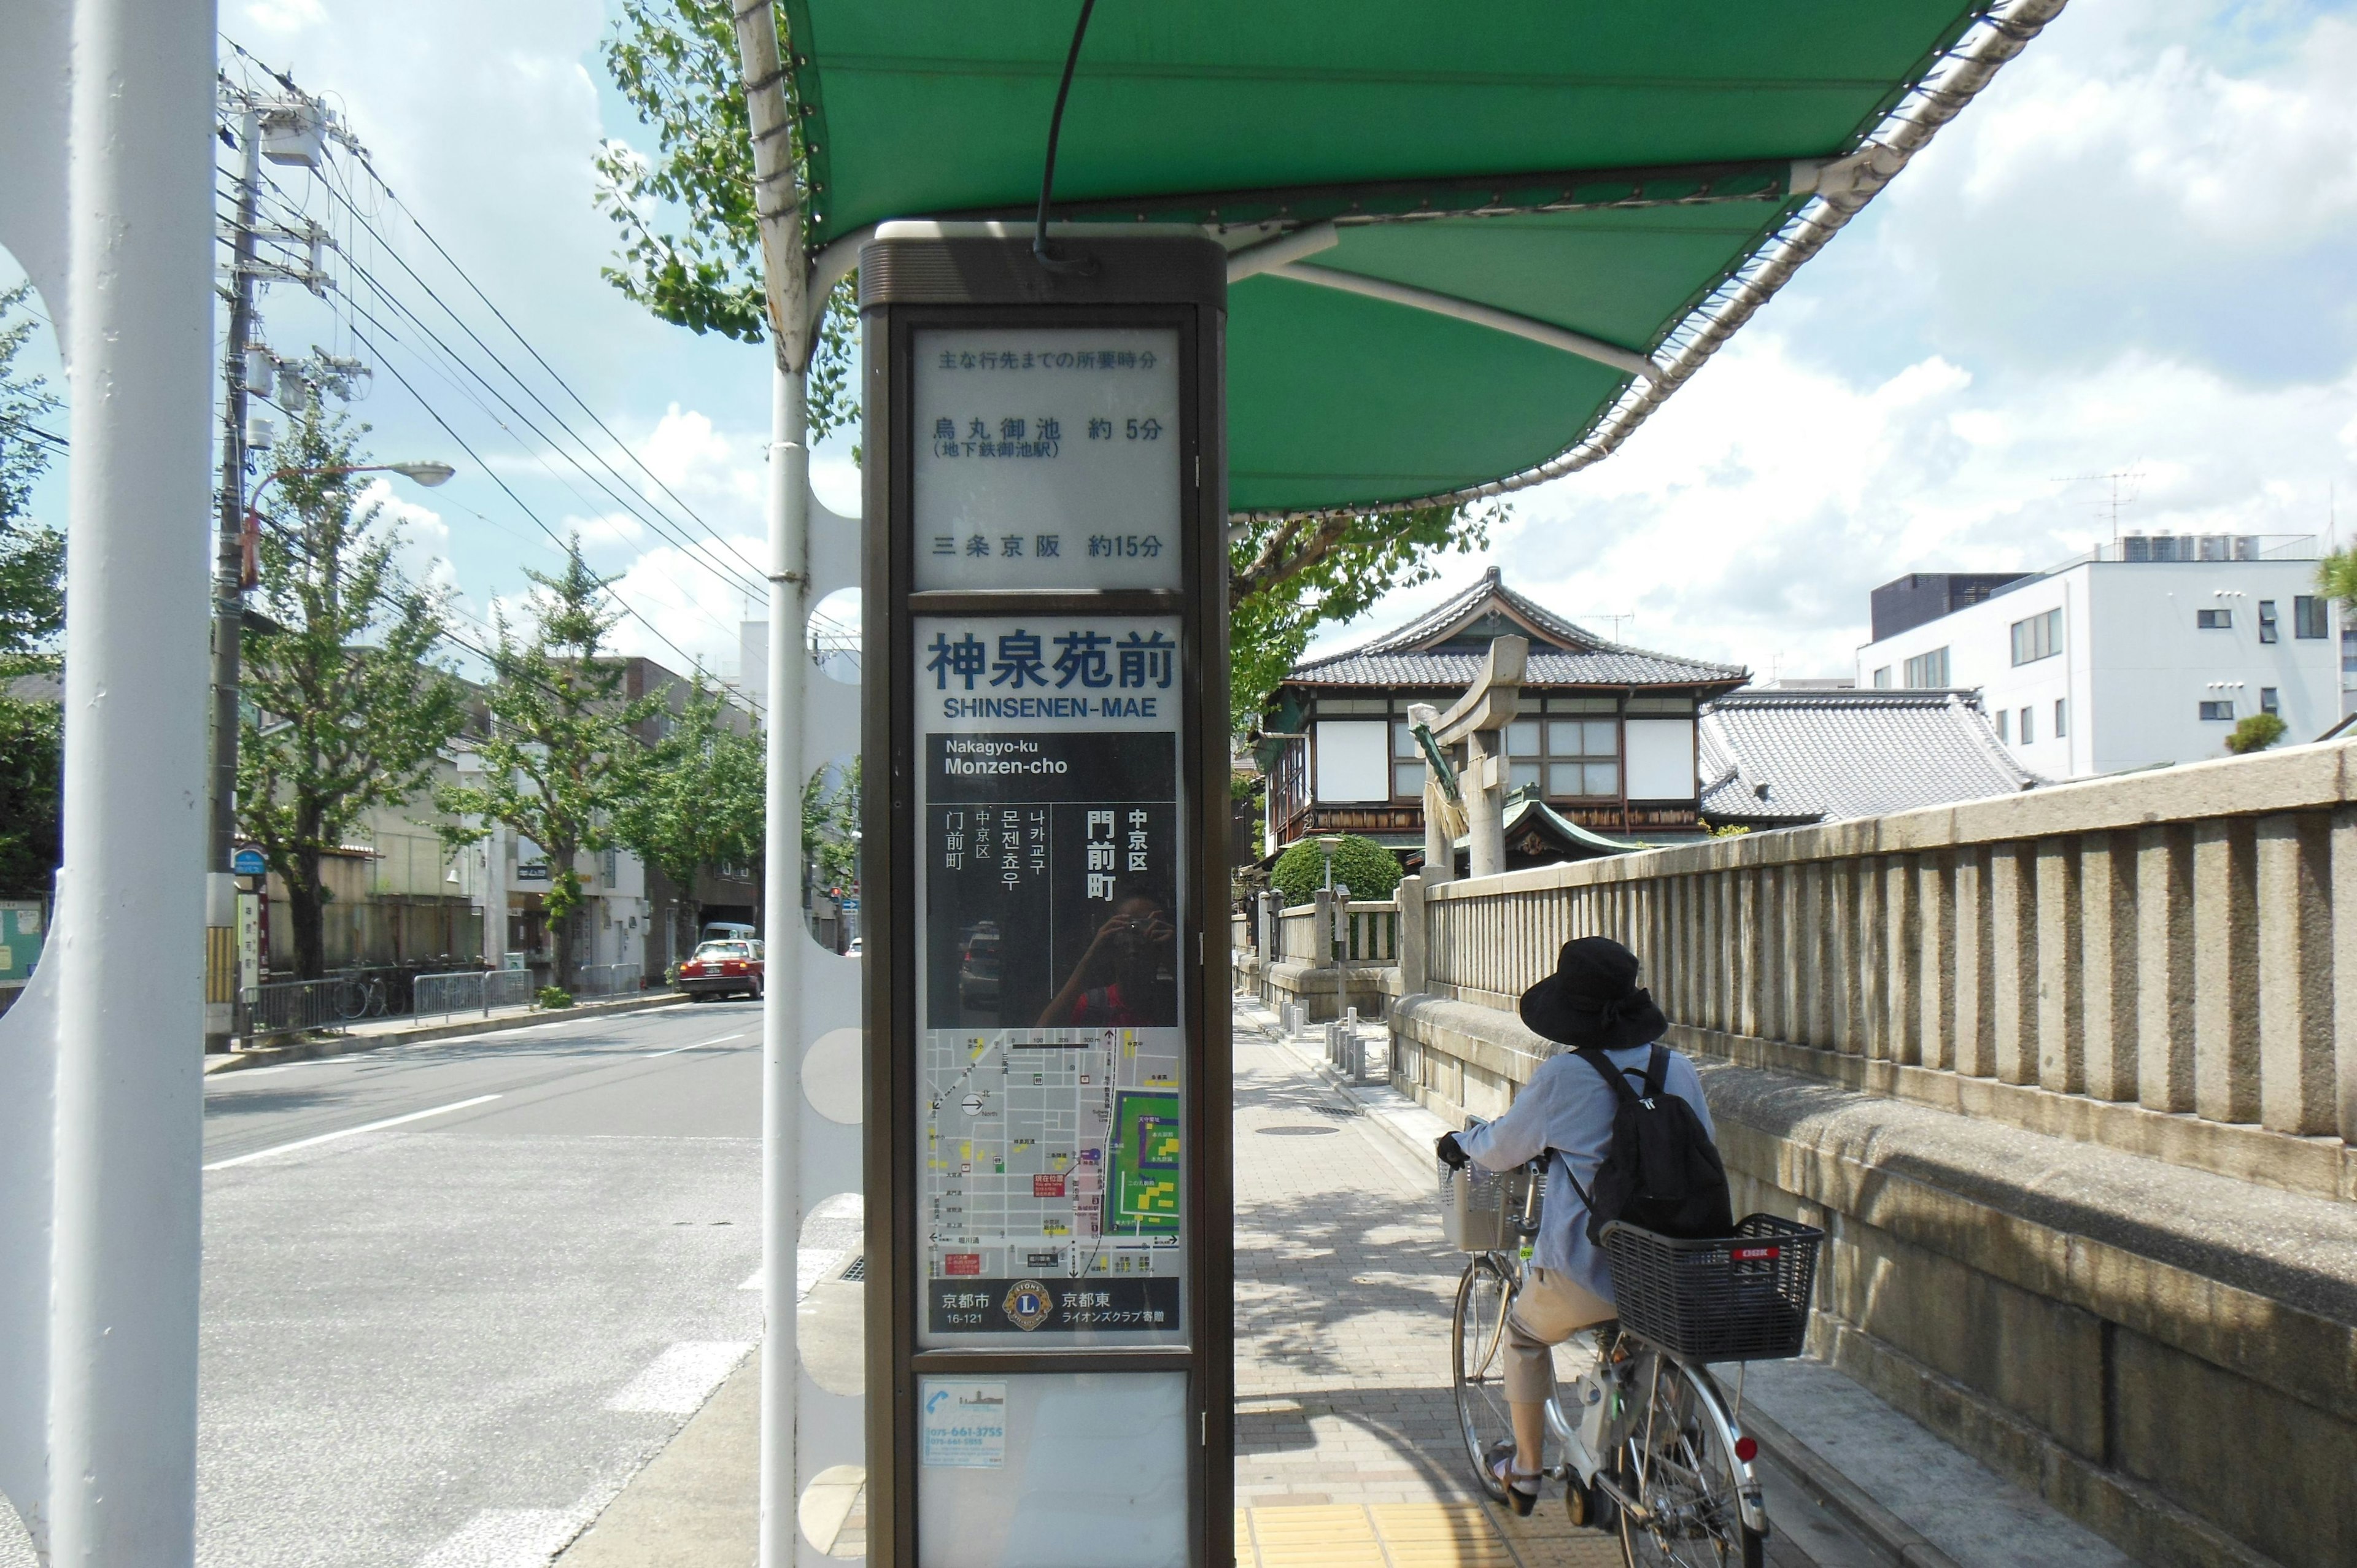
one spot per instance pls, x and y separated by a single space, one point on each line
1321 929
1413 963
1484 787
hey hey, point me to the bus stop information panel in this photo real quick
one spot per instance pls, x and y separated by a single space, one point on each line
1049 1334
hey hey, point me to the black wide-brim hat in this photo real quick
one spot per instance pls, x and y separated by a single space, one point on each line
1593 1000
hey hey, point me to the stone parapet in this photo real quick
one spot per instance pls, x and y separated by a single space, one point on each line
2071 1080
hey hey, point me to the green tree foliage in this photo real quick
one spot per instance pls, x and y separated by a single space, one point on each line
32 615
1366 867
2254 732
561 761
345 707
698 804
830 824
690 250
1288 578
2336 577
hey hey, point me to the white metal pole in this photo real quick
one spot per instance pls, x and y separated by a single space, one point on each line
781 922
123 1326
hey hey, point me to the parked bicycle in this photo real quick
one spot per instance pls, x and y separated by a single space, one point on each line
1645 1439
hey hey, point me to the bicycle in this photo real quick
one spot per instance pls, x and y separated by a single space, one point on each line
1646 1439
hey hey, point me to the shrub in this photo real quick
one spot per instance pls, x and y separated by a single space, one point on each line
1367 867
554 996
2255 732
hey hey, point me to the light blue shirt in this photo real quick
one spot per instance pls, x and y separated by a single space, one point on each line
1567 1107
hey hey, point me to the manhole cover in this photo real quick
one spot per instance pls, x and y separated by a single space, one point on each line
1297 1131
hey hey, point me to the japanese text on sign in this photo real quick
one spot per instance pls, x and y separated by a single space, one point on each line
1047 459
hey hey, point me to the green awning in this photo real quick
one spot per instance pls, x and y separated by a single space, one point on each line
1604 171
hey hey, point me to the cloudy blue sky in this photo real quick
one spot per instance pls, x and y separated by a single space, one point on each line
2135 254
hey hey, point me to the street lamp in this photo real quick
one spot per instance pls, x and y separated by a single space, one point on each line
426 472
1326 844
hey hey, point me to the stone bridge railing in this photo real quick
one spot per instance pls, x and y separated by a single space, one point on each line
2071 1078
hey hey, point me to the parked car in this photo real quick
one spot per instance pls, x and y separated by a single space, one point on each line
723 969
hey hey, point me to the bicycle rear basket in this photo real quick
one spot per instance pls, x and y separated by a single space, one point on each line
1743 1297
1478 1207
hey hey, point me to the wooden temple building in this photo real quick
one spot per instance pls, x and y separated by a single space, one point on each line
1602 755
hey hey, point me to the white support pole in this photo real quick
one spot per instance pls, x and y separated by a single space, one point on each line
123 1326
781 923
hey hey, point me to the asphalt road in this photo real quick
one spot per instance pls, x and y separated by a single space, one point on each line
456 1293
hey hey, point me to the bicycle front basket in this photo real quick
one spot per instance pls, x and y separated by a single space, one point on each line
1478 1207
1743 1297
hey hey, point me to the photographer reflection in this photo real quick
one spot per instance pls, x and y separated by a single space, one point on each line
1128 976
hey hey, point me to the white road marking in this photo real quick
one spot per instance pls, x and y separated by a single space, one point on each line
350 1132
679 1381
715 1040
507 1537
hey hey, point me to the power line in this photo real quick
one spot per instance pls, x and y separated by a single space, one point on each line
752 572
702 555
627 608
35 431
427 234
333 181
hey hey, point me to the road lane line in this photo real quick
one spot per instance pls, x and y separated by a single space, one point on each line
678 1381
717 1039
350 1132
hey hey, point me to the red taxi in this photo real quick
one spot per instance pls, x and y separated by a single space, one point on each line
723 969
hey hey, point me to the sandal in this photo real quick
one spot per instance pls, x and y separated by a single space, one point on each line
1510 1481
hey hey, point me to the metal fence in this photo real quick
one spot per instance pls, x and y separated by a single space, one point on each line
608 980
472 991
290 1006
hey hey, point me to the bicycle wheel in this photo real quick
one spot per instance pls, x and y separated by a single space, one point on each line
1675 1465
1478 1361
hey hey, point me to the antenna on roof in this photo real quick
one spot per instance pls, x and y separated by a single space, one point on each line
2131 479
1615 617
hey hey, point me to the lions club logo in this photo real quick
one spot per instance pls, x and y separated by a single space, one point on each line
1028 1305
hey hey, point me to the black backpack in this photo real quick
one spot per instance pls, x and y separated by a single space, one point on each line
1662 1172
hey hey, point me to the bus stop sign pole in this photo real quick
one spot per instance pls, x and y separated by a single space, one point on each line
1050 1215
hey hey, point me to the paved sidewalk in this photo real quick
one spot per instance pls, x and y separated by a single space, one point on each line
375 1034
1346 1429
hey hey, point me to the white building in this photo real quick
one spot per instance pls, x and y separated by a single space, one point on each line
2145 652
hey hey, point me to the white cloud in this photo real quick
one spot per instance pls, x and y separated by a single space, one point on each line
686 613
424 553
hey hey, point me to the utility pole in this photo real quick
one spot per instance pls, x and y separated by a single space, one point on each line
229 602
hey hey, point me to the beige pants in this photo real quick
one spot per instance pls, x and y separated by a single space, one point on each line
1548 1310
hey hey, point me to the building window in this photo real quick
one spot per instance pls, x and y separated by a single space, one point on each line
2029 730
2222 712
2308 616
1583 757
2267 621
1407 761
2039 637
1928 672
1524 768
2349 650
2214 620
2061 717
2269 703
1883 676
2004 724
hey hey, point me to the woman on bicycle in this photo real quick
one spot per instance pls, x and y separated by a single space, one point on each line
1591 1003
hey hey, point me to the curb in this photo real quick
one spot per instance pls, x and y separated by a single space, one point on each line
1878 1527
352 1045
